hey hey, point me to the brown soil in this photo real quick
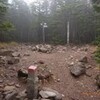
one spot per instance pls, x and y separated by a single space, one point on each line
82 88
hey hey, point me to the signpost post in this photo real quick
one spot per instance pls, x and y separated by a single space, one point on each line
44 25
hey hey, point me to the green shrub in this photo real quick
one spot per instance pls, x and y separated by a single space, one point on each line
97 55
97 41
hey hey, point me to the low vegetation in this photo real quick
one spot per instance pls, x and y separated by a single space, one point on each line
97 55
3 44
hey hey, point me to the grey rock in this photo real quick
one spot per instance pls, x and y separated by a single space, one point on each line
43 50
84 59
45 99
2 61
26 54
1 96
33 49
11 96
1 81
11 83
98 80
7 92
78 69
17 85
16 54
47 94
13 60
57 95
22 95
9 88
36 99
2 85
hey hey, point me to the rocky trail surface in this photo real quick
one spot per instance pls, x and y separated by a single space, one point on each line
59 60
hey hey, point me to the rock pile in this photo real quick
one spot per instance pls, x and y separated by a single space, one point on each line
43 48
44 74
12 93
9 57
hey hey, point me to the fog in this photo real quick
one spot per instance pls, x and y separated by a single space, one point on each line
50 21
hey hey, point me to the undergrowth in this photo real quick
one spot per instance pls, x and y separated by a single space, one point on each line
4 44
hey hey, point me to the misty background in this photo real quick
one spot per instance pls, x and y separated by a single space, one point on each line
77 17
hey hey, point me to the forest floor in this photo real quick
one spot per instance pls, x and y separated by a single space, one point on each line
58 61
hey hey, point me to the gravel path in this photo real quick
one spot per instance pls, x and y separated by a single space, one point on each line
82 88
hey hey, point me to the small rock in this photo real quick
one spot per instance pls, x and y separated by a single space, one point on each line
71 57
58 80
17 85
16 54
33 49
2 86
7 92
9 88
86 49
26 54
11 96
43 50
1 96
1 81
88 66
84 60
74 48
47 94
22 95
11 83
98 80
58 95
27 99
71 64
44 99
13 60
22 73
41 62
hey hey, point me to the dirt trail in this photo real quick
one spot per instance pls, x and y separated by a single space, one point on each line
82 88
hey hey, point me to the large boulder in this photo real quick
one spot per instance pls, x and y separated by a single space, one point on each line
78 69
